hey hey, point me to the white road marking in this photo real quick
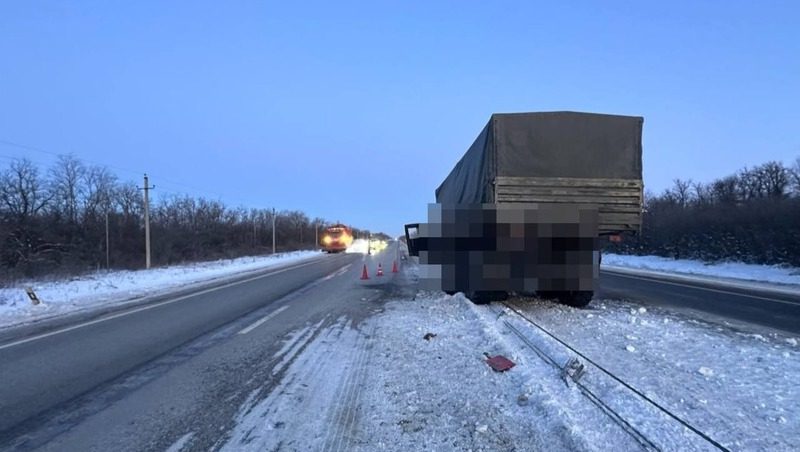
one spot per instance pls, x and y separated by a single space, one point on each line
150 306
267 317
661 281
339 272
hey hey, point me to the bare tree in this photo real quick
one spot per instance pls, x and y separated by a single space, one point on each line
22 193
65 180
682 191
725 190
703 194
794 173
774 179
750 184
98 186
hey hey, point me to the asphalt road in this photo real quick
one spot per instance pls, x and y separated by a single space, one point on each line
134 379
140 378
778 310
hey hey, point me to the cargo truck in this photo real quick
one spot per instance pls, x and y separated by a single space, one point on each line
527 207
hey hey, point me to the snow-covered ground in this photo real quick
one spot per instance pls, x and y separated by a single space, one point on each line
725 270
739 388
381 385
99 289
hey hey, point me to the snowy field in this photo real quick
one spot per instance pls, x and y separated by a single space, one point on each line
99 289
381 385
724 270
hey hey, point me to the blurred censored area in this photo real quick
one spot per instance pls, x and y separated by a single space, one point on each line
521 248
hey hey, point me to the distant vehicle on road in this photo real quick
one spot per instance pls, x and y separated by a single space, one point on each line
336 238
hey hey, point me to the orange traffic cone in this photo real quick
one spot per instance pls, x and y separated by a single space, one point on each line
394 267
380 270
364 274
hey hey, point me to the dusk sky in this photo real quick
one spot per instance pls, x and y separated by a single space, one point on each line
356 111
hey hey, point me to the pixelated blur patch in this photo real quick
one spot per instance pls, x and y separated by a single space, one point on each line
509 247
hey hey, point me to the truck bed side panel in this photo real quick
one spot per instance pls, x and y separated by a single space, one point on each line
619 201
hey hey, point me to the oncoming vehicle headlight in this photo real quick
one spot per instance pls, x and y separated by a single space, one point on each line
327 240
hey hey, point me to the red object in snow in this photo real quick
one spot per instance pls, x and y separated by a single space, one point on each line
499 363
394 267
364 274
380 270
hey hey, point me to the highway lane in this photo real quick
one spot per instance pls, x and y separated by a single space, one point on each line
779 310
43 371
142 378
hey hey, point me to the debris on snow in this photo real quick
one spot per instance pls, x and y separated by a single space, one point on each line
792 341
499 363
429 336
705 371
630 348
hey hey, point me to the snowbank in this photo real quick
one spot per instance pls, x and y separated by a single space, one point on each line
728 270
98 289
736 386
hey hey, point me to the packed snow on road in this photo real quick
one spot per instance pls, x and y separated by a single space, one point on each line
415 377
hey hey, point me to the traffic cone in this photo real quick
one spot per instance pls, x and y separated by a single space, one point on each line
364 274
380 270
394 267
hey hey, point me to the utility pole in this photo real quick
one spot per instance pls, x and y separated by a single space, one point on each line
273 230
147 189
254 232
316 235
108 252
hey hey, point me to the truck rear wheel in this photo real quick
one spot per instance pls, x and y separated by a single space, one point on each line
575 298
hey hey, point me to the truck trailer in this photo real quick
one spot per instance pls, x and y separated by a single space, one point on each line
527 207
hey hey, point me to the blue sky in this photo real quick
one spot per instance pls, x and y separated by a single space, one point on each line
356 111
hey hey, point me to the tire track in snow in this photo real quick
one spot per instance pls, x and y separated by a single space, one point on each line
280 419
343 416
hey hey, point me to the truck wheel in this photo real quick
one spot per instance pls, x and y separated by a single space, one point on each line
574 298
487 296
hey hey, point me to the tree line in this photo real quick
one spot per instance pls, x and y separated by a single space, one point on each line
53 221
751 216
